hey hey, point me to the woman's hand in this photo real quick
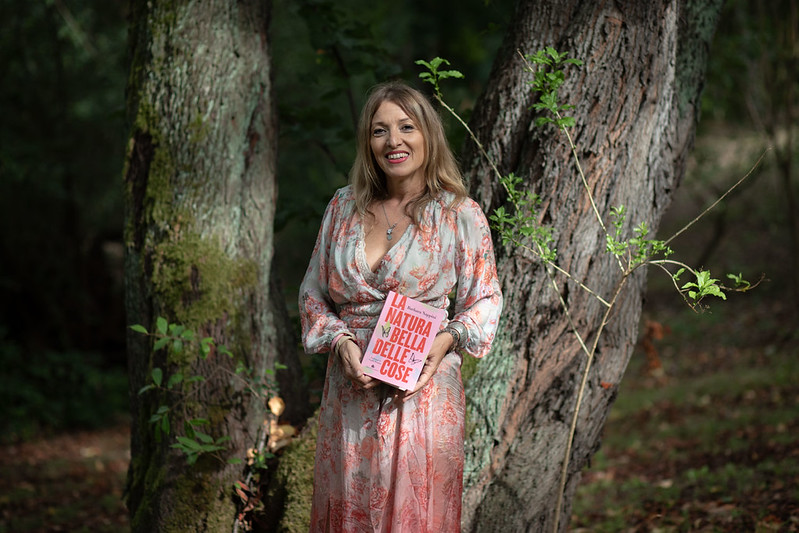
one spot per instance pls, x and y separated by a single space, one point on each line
441 347
350 354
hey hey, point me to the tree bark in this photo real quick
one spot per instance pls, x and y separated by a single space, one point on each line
637 102
200 200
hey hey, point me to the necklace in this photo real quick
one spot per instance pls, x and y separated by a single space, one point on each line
391 226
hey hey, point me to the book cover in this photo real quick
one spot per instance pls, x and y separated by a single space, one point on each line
401 341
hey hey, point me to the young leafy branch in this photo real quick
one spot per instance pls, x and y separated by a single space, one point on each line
519 226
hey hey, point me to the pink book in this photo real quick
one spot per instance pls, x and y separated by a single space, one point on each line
401 341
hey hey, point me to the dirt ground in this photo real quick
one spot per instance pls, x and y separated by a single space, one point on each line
71 483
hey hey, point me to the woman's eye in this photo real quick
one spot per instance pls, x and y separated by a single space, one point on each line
406 127
378 131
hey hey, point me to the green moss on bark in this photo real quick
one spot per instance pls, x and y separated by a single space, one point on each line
153 481
199 500
198 280
293 481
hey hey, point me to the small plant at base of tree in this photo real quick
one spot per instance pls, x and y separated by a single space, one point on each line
195 441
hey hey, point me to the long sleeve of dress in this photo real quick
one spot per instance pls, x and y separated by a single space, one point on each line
478 302
318 316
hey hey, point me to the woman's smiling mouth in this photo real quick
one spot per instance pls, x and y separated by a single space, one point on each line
397 157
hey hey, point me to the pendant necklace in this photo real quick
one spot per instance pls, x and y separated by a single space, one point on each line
391 226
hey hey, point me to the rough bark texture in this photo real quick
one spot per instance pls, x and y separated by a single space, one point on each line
200 200
637 98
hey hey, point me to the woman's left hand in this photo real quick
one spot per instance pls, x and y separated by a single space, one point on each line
441 346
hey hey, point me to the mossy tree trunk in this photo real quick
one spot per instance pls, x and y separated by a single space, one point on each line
200 201
637 101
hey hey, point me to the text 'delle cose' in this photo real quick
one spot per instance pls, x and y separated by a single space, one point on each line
401 341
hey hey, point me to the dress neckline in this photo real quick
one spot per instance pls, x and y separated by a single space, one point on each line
360 254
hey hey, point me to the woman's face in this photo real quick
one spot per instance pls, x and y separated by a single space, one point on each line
397 143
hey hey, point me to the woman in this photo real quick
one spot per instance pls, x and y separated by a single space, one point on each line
388 460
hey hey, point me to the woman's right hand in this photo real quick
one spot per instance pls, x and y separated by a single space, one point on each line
350 354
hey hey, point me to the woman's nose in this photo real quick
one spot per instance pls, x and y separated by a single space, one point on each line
394 138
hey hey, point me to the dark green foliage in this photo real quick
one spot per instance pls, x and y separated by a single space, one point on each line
752 72
61 143
51 390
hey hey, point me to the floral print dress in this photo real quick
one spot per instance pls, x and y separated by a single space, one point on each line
382 467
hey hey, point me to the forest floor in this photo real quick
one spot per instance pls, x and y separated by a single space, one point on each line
704 434
707 441
71 482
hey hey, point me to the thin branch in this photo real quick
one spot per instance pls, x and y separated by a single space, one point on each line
719 199
474 138
567 274
580 393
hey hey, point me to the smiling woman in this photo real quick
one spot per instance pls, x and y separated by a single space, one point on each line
390 460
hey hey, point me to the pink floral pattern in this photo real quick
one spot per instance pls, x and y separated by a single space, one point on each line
381 467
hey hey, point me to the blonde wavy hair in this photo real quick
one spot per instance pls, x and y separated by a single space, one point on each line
440 168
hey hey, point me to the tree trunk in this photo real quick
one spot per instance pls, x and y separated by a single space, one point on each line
637 101
200 200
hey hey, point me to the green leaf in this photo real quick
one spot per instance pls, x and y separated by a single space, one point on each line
224 350
450 74
165 425
437 62
158 375
234 461
161 325
138 328
187 443
739 281
177 346
174 379
187 335
203 437
160 343
566 122
145 389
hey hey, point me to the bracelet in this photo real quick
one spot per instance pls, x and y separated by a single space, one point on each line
339 341
458 332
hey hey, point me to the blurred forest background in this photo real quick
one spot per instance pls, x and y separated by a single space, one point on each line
62 130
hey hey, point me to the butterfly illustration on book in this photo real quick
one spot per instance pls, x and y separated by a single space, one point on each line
413 360
386 329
